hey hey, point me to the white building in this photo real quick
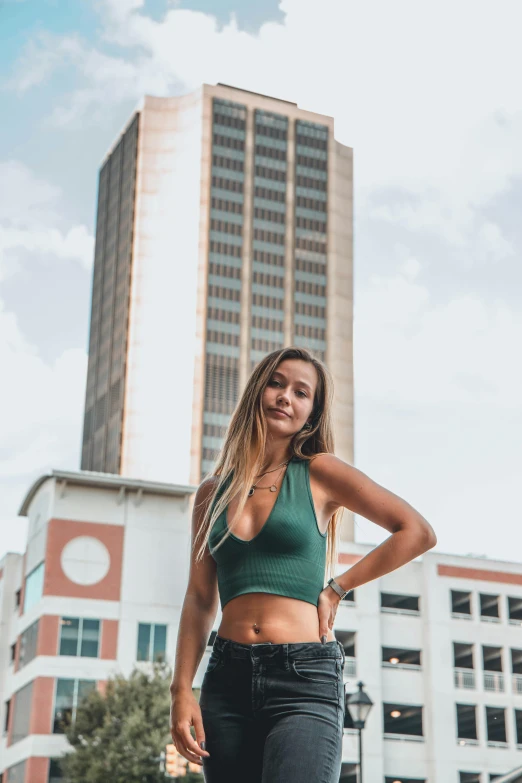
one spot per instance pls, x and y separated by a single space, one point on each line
437 643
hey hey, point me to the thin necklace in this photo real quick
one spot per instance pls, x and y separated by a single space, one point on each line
271 469
272 487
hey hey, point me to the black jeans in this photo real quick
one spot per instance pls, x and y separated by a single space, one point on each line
273 713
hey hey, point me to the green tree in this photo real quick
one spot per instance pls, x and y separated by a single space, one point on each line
118 735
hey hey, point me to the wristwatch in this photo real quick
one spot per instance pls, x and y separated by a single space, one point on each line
337 587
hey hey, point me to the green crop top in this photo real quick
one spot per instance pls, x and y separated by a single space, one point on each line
288 555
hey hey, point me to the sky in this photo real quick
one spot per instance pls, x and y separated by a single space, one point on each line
427 95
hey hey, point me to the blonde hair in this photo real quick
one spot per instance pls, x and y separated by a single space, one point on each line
242 453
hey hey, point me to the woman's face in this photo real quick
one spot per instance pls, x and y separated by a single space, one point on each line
288 398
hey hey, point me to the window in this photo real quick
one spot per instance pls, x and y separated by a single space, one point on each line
33 587
461 604
21 712
79 636
515 610
496 725
55 773
348 722
518 726
28 645
466 722
401 779
152 642
350 598
347 639
516 661
6 715
69 693
401 657
492 658
12 654
16 773
489 608
469 777
18 599
404 719
463 655
400 604
492 662
463 674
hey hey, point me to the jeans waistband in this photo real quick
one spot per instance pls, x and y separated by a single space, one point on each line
292 650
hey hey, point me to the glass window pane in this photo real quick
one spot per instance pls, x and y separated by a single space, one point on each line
69 635
22 713
63 705
90 638
160 642
16 774
28 645
84 688
33 587
143 642
55 773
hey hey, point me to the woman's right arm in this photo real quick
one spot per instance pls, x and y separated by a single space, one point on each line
197 618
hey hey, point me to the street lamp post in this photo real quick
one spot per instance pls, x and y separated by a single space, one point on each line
359 705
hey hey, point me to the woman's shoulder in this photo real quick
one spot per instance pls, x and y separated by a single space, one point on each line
207 489
323 463
321 458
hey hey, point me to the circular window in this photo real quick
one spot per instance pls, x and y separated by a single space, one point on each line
85 560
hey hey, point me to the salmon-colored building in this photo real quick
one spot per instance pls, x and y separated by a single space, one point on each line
98 590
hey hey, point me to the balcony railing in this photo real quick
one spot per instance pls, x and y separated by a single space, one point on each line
516 683
461 616
486 618
467 741
415 667
404 737
464 678
393 610
513 621
496 744
494 681
350 667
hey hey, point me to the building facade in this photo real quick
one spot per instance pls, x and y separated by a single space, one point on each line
100 588
224 231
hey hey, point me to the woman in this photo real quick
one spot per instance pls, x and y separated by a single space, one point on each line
271 707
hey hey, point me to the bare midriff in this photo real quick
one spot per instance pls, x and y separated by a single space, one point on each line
277 619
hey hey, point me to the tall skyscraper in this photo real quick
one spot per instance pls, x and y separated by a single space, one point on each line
224 231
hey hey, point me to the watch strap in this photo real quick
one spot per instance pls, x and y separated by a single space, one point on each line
337 587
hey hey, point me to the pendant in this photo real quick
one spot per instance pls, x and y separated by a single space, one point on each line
273 488
251 491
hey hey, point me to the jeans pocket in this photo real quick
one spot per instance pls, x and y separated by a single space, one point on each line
215 661
325 671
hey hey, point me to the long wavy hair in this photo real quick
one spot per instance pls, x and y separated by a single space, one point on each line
242 452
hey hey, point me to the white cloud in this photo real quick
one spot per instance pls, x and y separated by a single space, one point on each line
428 113
41 402
41 408
411 350
30 223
